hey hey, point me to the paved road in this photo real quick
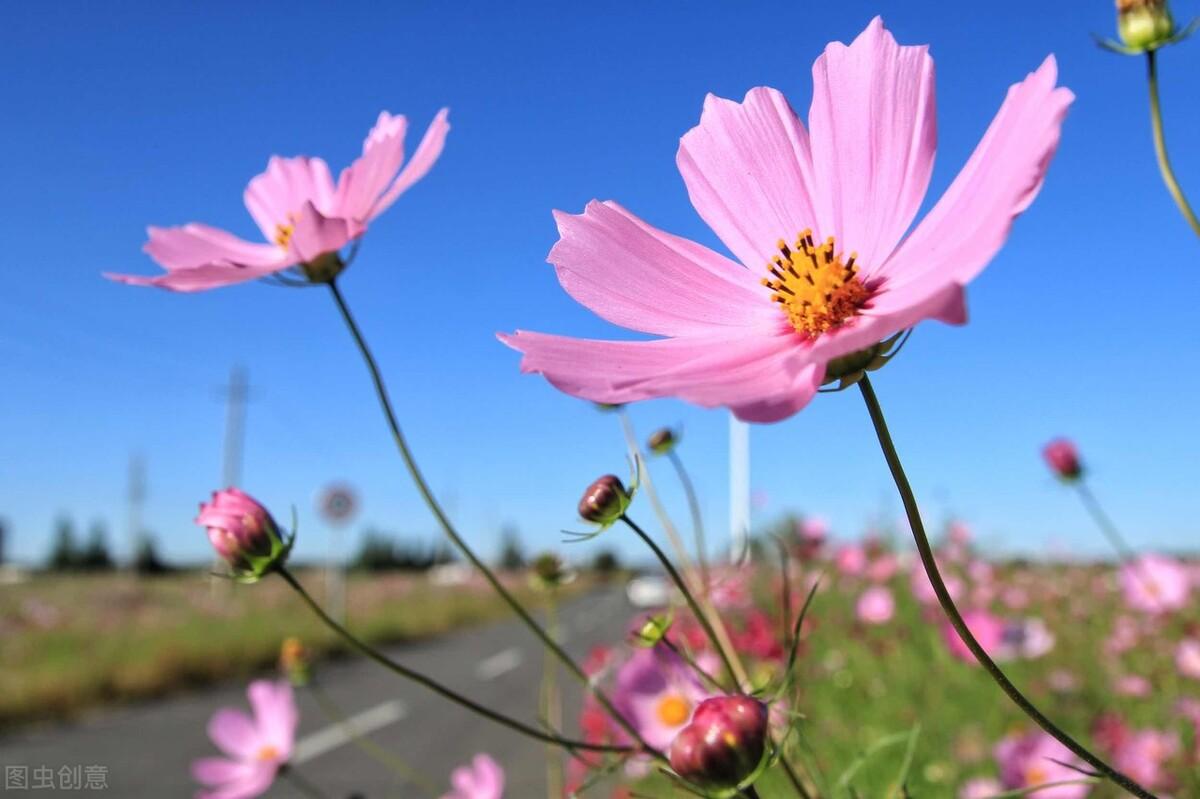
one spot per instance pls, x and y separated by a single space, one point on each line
147 748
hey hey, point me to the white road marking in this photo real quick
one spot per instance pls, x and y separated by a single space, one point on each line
502 662
335 735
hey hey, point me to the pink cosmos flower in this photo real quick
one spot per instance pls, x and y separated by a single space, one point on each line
980 788
302 213
1155 584
1025 639
1131 685
482 779
987 629
239 528
883 567
817 218
255 747
875 605
1142 755
1187 658
657 693
923 589
1037 759
850 560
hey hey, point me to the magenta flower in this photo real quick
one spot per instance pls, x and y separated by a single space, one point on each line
1036 759
1063 459
817 219
656 692
875 605
1155 584
255 747
482 779
987 629
1187 658
850 560
1143 754
243 533
304 216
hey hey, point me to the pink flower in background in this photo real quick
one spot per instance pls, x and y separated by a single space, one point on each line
302 214
980 788
1124 636
875 605
1063 459
1187 658
1131 685
1025 639
482 779
255 746
816 218
883 567
656 692
987 629
923 589
1155 584
1037 759
850 560
1142 755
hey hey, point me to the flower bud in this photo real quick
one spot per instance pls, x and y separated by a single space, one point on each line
663 441
1063 459
549 571
652 630
324 268
604 501
1144 24
243 533
294 660
724 746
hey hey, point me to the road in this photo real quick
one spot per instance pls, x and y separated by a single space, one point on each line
146 748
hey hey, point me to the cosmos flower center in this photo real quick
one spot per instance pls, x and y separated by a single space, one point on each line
267 753
283 234
1036 775
673 710
817 289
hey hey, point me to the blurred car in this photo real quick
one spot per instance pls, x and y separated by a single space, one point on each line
648 592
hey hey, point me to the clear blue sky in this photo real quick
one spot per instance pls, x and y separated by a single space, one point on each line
119 115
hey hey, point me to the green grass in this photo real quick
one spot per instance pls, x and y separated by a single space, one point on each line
78 641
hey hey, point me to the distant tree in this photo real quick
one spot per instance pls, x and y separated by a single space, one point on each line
512 556
606 563
64 553
380 551
95 555
146 561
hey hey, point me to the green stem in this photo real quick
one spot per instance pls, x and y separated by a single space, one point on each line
691 662
794 778
551 704
418 478
947 602
368 746
687 595
1110 531
433 685
697 518
1160 145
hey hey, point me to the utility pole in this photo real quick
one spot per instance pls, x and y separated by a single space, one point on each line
137 501
235 394
739 488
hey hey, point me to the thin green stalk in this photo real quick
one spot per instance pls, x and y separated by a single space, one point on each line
418 478
551 705
1160 145
368 746
691 662
433 685
947 602
1110 531
687 595
693 502
794 778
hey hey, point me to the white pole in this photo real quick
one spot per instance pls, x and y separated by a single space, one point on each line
739 487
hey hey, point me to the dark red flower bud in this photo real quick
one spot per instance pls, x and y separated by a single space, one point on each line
604 500
723 745
663 441
1063 458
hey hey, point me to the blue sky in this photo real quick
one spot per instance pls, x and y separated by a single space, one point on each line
121 115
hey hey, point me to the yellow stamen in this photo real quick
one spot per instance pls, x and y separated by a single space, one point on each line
1036 775
283 234
673 710
816 288
268 752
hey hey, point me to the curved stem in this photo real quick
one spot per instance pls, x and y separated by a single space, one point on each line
433 685
418 478
1160 145
687 595
697 518
1102 520
947 603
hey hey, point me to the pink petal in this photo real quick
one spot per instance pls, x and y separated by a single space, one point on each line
972 219
219 771
275 713
235 734
749 173
255 783
874 135
315 234
423 159
639 277
199 257
361 183
276 196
